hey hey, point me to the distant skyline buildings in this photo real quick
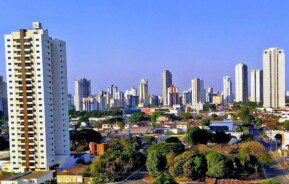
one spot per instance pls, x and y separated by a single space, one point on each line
167 82
198 91
144 92
82 89
241 82
227 89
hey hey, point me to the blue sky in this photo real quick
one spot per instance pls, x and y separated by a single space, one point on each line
121 41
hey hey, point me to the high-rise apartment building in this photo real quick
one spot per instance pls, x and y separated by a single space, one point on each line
187 97
144 92
82 89
257 85
241 82
198 91
173 95
37 93
90 104
112 90
227 89
274 78
167 82
209 95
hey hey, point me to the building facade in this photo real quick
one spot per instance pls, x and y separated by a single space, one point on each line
227 89
37 93
173 96
257 86
144 92
167 82
274 78
198 91
82 90
241 83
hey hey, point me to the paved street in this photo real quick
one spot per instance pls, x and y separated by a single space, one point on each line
276 169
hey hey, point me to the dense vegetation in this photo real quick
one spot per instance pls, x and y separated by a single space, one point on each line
121 158
81 139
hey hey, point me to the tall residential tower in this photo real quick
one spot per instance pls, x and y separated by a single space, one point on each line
241 82
167 82
144 92
274 78
257 85
227 89
37 93
82 89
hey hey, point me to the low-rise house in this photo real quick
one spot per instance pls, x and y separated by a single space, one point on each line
36 177
73 175
225 125
182 126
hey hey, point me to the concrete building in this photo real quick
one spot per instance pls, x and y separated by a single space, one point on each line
198 91
112 90
3 97
274 78
70 102
82 90
90 104
227 89
167 82
154 100
187 97
37 92
209 95
257 86
173 96
241 82
144 92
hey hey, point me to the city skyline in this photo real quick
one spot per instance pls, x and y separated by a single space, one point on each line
188 50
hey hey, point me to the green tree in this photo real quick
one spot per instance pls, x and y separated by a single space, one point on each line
220 137
159 156
185 115
196 135
219 165
149 140
259 122
164 178
3 144
173 140
205 122
155 115
286 125
247 137
137 117
195 167
156 163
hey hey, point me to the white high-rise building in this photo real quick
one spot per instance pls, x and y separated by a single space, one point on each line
38 105
227 89
274 78
90 104
187 97
257 85
144 92
198 91
167 82
209 95
82 90
241 82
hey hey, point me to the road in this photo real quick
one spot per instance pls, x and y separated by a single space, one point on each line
137 177
276 169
